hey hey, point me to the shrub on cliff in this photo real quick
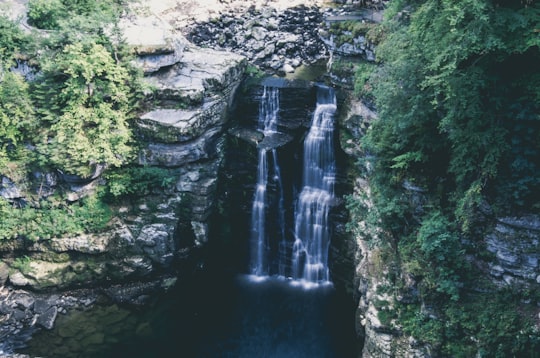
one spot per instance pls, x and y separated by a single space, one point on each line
84 101
458 98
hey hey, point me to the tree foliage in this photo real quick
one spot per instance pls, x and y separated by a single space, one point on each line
52 219
55 14
457 86
72 114
457 93
16 118
83 96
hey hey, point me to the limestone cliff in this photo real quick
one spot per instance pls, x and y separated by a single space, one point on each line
506 257
191 89
189 93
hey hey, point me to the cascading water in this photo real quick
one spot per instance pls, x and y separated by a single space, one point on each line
260 246
312 234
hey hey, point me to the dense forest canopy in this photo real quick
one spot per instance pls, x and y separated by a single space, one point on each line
458 97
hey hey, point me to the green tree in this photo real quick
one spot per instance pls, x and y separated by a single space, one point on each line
12 40
17 118
57 14
457 92
84 100
452 118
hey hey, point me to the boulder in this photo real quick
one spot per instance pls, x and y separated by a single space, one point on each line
154 41
200 71
4 273
47 318
9 190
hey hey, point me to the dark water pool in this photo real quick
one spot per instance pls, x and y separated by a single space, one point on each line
212 315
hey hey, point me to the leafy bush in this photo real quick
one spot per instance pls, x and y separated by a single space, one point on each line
12 41
46 14
53 14
17 120
52 219
136 182
362 74
84 100
481 324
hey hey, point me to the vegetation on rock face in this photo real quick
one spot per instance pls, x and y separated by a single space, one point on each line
53 218
67 97
136 182
83 95
458 98
55 14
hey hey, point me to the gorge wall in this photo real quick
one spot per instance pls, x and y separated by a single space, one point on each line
196 57
190 91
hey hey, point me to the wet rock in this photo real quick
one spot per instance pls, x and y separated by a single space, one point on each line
47 318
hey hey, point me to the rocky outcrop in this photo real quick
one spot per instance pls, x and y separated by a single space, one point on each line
199 84
182 131
349 35
514 243
9 190
153 41
508 257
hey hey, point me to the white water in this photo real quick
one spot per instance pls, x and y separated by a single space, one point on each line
260 246
311 233
305 258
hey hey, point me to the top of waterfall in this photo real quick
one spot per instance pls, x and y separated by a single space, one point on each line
278 82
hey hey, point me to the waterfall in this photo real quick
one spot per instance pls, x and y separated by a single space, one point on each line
260 245
311 232
304 257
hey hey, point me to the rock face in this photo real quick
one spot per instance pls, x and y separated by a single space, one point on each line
154 42
515 245
183 131
511 257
